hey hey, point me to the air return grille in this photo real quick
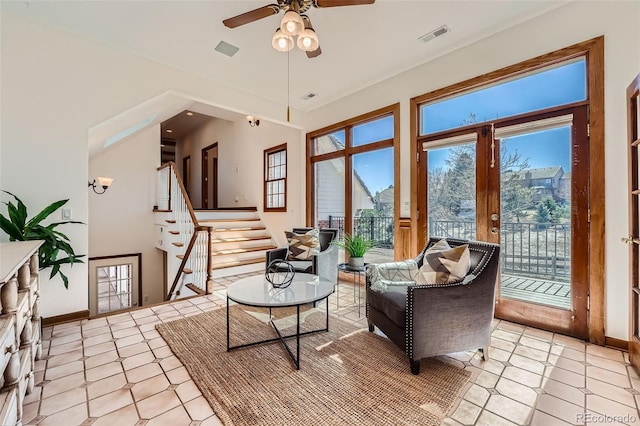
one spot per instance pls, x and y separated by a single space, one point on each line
435 33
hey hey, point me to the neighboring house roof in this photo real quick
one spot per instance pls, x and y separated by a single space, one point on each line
385 196
567 176
541 173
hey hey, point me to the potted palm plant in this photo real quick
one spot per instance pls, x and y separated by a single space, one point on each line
356 245
56 249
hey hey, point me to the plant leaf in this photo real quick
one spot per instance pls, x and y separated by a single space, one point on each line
46 212
10 229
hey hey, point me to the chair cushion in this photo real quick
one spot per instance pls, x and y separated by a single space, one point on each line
391 303
303 246
444 264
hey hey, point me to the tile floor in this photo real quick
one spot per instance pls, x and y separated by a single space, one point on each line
117 370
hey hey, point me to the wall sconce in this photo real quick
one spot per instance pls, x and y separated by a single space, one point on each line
253 122
104 182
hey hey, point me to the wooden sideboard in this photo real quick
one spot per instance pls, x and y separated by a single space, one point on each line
20 339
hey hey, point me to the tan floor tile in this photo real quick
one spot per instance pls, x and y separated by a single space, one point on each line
607 364
144 372
487 418
508 408
34 396
152 319
168 315
72 416
571 365
535 343
516 391
506 335
187 391
105 386
512 327
62 401
163 352
125 332
132 350
178 375
148 326
141 313
95 340
213 421
64 358
157 343
151 334
522 376
65 329
563 391
107 370
531 353
608 407
499 354
527 364
448 421
543 419
632 372
101 359
572 354
94 323
565 376
492 366
122 325
64 370
612 392
116 319
125 416
110 402
199 408
466 413
601 351
608 376
128 341
99 349
29 412
569 342
41 365
170 363
62 340
149 387
559 408
138 360
63 384
157 404
98 331
67 347
546 336
477 395
177 416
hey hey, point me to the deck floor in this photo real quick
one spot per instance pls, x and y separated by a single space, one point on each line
534 290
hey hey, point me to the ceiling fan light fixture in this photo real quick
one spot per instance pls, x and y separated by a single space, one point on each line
282 42
308 40
291 24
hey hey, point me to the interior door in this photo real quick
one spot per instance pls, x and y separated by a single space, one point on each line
210 177
114 283
521 183
633 134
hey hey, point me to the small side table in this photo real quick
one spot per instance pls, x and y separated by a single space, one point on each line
345 267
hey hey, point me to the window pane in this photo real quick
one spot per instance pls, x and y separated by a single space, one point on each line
552 86
329 143
281 200
372 202
373 131
271 160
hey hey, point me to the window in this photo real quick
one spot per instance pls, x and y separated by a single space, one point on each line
275 179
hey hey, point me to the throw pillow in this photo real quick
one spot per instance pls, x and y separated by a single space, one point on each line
444 264
303 246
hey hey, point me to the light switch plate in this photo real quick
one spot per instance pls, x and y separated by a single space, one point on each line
66 214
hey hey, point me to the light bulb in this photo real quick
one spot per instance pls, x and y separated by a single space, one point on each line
306 41
282 42
291 26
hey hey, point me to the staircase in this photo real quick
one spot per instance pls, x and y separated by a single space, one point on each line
206 244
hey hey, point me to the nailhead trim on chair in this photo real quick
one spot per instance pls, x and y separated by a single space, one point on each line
409 300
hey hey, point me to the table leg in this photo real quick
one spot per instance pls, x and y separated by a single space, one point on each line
227 324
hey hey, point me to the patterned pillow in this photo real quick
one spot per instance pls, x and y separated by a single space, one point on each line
444 264
303 246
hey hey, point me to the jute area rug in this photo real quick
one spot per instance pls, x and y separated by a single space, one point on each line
347 376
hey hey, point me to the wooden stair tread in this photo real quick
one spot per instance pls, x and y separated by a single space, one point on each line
243 219
178 244
239 239
187 271
174 232
180 256
258 228
229 210
240 251
170 220
195 289
250 261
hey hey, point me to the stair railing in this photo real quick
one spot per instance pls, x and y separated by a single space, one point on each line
172 196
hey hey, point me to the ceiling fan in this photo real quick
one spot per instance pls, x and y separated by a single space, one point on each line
294 22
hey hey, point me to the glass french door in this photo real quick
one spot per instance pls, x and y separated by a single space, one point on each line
521 183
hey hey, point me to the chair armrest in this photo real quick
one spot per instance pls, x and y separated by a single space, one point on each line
383 275
276 254
325 264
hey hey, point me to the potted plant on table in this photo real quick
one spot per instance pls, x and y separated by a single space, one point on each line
356 246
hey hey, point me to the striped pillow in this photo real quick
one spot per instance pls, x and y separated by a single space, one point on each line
303 246
444 264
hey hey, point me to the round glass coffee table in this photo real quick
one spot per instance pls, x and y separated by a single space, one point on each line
258 292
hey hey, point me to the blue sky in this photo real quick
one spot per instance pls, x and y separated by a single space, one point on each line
556 86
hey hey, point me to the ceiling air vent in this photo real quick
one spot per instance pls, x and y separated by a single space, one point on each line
309 96
435 33
227 49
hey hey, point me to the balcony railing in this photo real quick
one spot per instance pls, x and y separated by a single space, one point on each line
377 229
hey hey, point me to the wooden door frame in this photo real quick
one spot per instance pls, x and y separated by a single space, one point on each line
204 183
593 51
139 266
633 143
186 175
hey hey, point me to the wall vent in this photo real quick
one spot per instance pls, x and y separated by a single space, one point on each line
227 49
435 33
309 96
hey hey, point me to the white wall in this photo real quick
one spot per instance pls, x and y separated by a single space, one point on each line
567 25
121 221
240 167
55 87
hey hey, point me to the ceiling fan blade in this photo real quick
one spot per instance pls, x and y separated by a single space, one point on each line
315 53
253 15
335 3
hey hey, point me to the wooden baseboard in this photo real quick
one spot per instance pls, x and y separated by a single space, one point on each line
623 345
59 319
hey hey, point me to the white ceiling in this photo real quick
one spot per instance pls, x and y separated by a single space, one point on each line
361 45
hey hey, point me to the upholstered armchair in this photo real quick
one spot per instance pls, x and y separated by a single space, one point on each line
427 320
323 264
